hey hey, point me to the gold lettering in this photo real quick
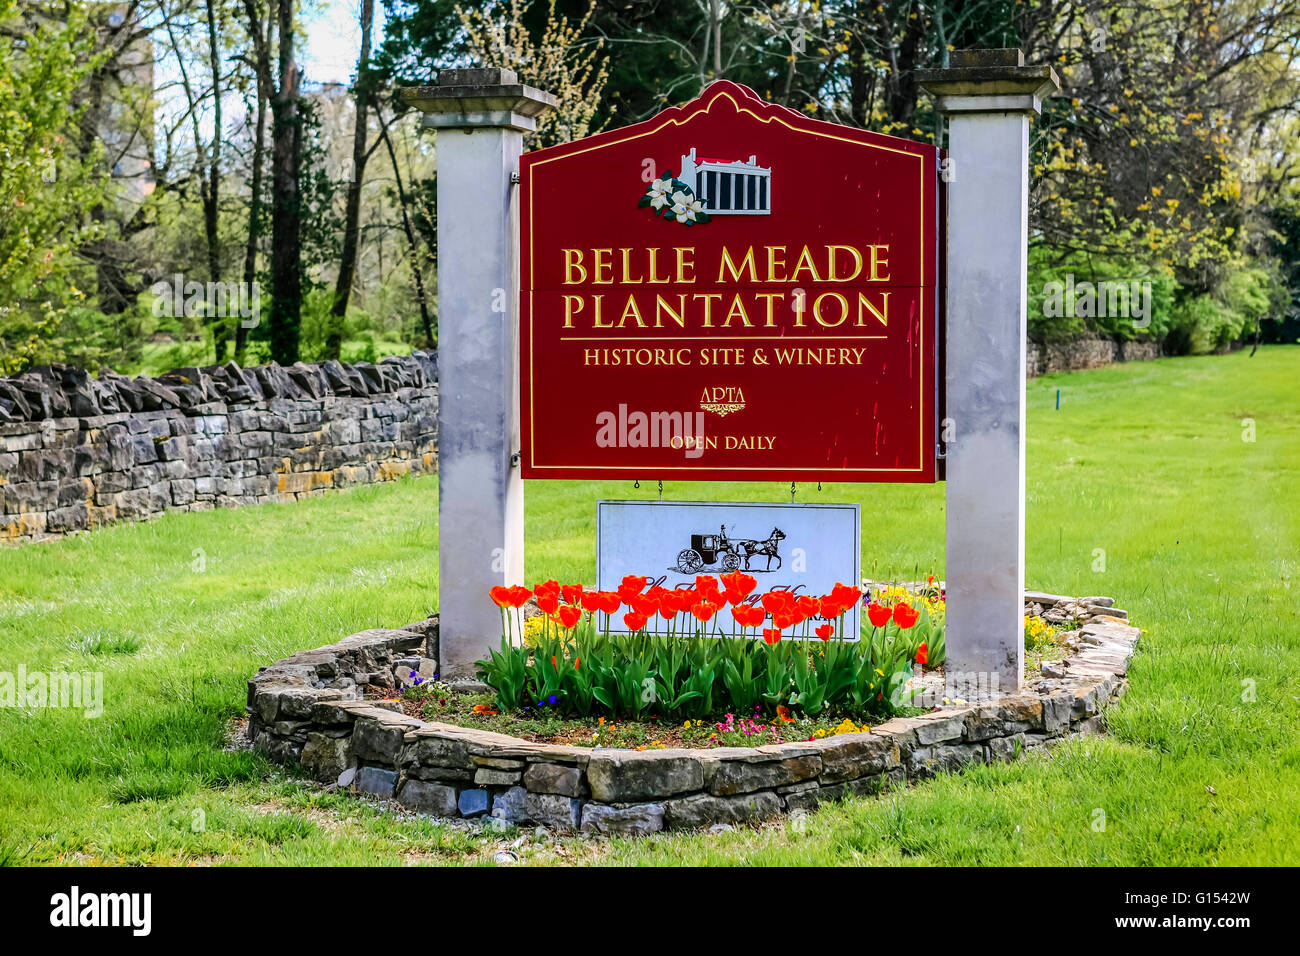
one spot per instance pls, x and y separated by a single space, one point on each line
708 298
569 310
737 309
631 311
596 323
627 267
805 262
844 308
654 278
678 315
773 264
881 314
685 263
877 263
830 263
772 298
746 264
572 261
602 267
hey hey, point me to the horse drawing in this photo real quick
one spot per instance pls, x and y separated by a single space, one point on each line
748 548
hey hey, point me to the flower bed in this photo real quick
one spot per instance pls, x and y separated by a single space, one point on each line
309 710
683 659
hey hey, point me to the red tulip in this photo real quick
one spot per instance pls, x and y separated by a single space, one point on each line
572 593
591 601
824 631
630 588
771 634
608 601
878 614
552 586
570 616
740 583
905 615
777 601
548 601
922 655
500 596
645 605
809 606
706 584
703 611
845 595
634 621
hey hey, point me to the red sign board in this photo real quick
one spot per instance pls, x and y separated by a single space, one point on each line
729 291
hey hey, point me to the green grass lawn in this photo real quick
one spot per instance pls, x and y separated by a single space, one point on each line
1140 487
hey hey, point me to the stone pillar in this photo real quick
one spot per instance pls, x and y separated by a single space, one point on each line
481 117
988 97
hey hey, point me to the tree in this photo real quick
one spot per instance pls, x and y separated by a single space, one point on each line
258 24
556 61
286 214
47 191
203 100
352 215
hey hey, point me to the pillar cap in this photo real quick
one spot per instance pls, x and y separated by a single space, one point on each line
483 98
989 81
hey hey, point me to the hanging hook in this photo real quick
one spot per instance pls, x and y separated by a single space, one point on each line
661 489
636 484
819 486
792 492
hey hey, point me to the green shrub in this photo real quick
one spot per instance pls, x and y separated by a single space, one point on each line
1066 296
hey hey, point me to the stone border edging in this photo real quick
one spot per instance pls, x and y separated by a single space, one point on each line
309 709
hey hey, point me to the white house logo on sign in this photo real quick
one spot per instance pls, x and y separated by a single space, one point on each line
803 548
708 187
729 187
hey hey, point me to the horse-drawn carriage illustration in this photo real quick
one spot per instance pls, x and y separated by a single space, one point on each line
728 554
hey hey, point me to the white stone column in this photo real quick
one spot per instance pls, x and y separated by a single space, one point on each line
988 97
481 117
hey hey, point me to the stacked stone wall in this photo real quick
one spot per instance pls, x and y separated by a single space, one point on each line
197 439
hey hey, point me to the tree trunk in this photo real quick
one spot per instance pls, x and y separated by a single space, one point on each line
286 214
262 68
715 23
211 208
425 320
352 214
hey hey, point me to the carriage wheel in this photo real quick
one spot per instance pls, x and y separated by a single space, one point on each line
689 560
730 561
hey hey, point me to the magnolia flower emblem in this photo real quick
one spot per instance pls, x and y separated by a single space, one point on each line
659 192
673 199
686 208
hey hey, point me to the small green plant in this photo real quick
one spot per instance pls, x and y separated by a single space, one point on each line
101 644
